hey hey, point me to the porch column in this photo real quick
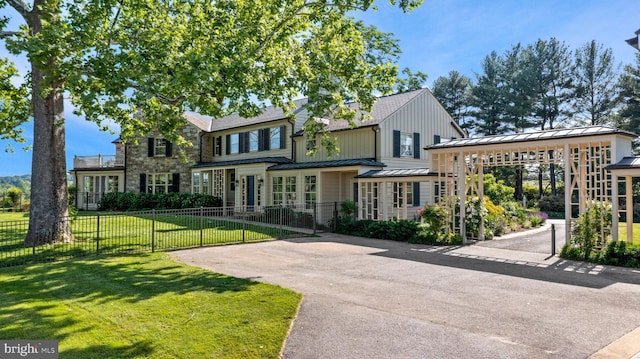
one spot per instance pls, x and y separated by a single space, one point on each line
614 206
567 193
629 199
481 198
462 192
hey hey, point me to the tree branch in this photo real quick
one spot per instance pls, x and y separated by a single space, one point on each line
5 34
21 7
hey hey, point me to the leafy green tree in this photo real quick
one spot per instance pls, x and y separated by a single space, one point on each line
454 93
15 196
141 64
410 81
595 96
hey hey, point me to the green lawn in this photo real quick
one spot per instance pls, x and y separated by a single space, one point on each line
622 232
144 306
126 233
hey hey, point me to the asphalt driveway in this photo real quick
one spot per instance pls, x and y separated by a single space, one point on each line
367 298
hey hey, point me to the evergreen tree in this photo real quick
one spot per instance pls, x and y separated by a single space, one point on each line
454 93
595 84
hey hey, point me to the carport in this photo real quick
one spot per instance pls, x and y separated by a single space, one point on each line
585 153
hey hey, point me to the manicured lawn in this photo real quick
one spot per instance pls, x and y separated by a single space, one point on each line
126 233
622 232
144 306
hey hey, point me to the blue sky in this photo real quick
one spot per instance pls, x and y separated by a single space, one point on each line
440 36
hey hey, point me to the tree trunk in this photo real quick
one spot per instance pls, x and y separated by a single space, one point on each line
552 174
518 185
48 221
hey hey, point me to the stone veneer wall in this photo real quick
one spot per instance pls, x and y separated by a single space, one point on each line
139 162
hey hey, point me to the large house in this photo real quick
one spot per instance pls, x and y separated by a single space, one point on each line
262 161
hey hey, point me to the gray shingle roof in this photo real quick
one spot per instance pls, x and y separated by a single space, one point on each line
625 163
410 172
324 164
243 162
209 124
532 136
384 107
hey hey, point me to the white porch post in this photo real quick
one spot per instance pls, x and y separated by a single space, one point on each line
481 198
567 193
614 206
462 181
629 199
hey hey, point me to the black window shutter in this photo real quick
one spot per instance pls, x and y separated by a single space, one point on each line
219 145
283 136
416 194
175 185
267 139
213 146
396 143
228 149
143 183
436 139
246 142
168 149
355 193
151 143
416 145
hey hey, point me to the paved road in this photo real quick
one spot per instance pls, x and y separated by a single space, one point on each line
367 298
536 240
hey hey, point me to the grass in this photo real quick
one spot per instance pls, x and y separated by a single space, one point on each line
126 233
144 306
622 232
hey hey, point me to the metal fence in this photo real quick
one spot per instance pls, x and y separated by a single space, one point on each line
161 230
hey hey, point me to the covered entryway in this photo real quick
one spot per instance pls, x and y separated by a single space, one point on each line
585 154
625 172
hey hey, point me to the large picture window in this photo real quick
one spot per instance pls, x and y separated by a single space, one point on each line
253 141
290 190
277 188
235 143
406 145
310 194
275 137
159 183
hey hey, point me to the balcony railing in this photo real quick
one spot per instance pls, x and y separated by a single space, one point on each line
99 161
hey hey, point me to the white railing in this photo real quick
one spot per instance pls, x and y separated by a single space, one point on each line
99 161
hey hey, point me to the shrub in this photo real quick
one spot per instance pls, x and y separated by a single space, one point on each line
125 201
496 190
551 204
592 228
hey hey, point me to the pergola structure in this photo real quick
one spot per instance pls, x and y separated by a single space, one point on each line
584 153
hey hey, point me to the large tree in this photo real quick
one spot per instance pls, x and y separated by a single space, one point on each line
141 64
488 97
629 96
595 76
454 93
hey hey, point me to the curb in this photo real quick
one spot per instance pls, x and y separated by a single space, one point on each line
627 346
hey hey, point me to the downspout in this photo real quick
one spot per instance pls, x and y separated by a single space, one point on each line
375 142
293 143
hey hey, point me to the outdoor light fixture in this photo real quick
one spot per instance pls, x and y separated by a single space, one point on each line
260 181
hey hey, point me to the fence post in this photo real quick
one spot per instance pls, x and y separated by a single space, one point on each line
282 213
553 239
243 228
335 217
201 225
98 236
315 216
153 230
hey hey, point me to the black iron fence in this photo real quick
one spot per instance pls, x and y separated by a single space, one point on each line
162 230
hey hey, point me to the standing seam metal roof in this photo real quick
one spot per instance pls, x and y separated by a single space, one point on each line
532 136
